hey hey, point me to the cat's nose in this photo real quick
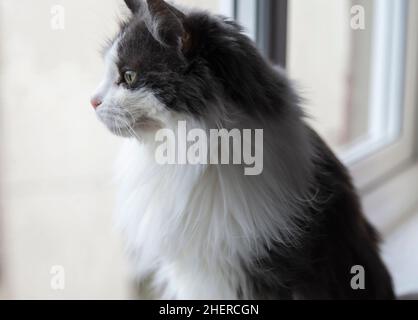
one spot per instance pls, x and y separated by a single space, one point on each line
95 102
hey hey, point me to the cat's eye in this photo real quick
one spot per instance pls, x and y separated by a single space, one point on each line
130 77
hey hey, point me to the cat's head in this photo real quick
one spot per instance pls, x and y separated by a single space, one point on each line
167 65
148 71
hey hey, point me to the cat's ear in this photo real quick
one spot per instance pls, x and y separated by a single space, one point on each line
166 23
134 5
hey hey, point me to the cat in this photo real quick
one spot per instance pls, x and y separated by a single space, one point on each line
208 231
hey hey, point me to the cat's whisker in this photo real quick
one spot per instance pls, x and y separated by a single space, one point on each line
131 130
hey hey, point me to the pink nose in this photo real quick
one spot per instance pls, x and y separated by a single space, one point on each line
95 102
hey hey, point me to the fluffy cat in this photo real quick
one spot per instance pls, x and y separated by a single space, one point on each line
209 231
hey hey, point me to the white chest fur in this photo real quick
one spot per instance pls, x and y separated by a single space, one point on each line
192 228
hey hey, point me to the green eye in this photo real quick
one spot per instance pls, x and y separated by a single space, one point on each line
130 77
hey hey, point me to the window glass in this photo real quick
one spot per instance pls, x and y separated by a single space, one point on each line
347 59
331 64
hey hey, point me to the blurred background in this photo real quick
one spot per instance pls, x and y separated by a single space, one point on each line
354 61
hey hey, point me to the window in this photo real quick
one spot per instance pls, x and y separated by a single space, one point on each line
359 84
358 78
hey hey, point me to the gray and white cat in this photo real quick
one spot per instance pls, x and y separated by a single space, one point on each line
209 231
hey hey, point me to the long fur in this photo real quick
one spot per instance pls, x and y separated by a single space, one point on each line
209 231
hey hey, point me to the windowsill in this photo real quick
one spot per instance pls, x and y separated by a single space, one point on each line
389 204
399 254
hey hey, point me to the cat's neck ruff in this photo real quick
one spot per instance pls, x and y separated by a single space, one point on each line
212 214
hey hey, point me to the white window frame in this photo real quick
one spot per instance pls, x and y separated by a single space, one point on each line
397 194
389 142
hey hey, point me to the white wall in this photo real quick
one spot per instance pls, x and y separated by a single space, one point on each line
56 159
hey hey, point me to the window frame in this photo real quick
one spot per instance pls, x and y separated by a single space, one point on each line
390 140
395 195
